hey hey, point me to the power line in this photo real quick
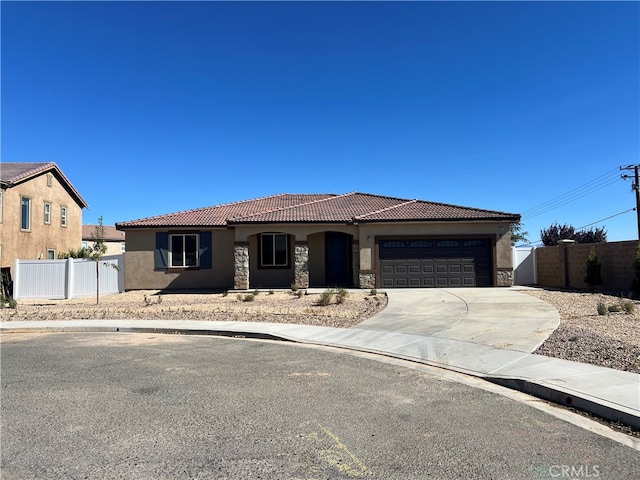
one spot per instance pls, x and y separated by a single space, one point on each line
592 186
612 216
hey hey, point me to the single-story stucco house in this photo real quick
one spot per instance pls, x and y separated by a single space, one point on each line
319 240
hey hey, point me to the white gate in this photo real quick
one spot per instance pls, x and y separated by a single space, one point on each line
525 271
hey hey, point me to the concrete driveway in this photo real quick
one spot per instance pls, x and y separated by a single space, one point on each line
496 317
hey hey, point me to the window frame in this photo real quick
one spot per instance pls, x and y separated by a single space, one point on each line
53 251
274 252
47 213
24 228
63 216
183 264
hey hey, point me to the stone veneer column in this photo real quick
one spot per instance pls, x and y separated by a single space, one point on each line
301 275
367 280
505 277
241 266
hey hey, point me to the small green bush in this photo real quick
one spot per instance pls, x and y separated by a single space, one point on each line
299 293
602 308
239 297
10 302
628 307
325 297
225 293
341 295
249 297
256 292
615 308
294 287
373 292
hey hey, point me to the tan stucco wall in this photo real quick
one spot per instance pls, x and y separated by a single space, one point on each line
139 264
17 243
141 243
113 248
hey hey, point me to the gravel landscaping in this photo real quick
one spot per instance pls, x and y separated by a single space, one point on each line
611 340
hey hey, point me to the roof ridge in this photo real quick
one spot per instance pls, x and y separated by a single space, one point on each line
359 217
199 209
281 209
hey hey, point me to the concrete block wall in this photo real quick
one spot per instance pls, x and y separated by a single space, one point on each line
616 259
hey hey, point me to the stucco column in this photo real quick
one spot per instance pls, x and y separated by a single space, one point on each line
241 266
302 264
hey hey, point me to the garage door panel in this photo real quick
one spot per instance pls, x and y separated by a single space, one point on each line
441 263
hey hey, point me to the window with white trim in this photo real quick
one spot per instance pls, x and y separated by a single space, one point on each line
184 250
25 213
51 254
47 213
274 250
63 216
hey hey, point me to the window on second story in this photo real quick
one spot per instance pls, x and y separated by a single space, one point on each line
25 214
63 216
47 213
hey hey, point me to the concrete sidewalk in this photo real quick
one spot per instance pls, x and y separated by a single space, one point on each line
487 333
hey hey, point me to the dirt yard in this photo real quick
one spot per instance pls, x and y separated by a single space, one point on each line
276 307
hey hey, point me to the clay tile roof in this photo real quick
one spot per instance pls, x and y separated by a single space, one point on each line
220 215
110 233
319 208
12 174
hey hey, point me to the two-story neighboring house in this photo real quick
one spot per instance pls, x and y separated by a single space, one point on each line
40 212
113 239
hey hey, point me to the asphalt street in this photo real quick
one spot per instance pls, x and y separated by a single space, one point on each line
152 406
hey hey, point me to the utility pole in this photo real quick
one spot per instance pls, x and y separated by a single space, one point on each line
635 186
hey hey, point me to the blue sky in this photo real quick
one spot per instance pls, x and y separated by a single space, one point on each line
158 107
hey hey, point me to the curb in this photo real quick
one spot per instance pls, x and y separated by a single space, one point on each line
577 400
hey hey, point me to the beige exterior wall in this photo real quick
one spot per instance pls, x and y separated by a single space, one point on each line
18 243
113 248
140 273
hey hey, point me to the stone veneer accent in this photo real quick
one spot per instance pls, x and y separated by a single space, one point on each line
505 278
241 264
367 280
301 275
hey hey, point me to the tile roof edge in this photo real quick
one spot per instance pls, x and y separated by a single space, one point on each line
44 167
165 215
469 208
331 196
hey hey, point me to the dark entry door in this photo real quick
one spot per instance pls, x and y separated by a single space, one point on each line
338 259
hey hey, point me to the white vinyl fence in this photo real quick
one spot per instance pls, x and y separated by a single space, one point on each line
525 271
70 278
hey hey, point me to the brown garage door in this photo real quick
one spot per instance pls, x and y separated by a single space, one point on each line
435 263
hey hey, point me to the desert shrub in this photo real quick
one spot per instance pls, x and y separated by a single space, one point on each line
299 293
614 308
8 302
249 297
373 292
325 297
602 308
628 307
239 297
256 292
225 293
341 295
294 287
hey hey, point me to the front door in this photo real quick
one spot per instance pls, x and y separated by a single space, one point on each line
338 259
